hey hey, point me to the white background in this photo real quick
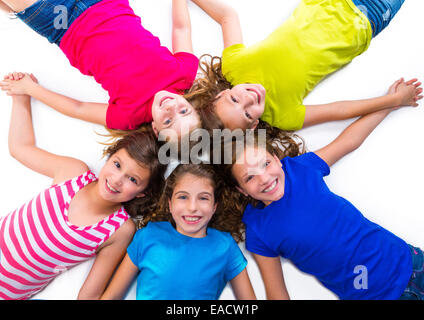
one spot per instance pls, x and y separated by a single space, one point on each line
383 179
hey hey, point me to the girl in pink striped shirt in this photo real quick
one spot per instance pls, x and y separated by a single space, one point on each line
79 216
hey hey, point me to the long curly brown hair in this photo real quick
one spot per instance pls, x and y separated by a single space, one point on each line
143 147
227 216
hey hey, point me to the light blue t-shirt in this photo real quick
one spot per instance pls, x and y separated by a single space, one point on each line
177 267
324 235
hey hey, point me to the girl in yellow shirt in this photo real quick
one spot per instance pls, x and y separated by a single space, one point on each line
270 79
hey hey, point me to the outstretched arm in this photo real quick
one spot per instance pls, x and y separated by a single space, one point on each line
27 85
108 257
242 287
181 27
22 146
272 276
121 281
226 16
400 94
352 137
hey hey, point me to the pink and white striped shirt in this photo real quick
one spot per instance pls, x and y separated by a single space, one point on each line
37 241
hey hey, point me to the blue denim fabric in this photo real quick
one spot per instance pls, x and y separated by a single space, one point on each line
415 288
379 12
51 18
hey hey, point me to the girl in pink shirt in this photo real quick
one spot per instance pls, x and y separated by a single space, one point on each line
105 39
80 215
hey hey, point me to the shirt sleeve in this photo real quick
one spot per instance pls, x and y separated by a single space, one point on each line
128 116
256 245
134 247
189 65
236 260
232 62
312 160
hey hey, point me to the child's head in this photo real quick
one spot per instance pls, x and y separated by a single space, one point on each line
173 112
194 199
221 105
256 170
132 173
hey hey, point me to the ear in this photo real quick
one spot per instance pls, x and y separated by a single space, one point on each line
242 191
254 125
140 195
278 160
155 130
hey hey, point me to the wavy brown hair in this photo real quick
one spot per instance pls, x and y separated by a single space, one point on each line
227 216
143 147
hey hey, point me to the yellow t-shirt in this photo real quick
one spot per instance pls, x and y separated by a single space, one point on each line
319 37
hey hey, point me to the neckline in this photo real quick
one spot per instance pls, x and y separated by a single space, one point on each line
86 178
183 236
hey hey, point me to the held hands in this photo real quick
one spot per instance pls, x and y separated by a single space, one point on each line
408 93
18 83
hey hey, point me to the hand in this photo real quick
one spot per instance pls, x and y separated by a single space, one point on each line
18 83
408 92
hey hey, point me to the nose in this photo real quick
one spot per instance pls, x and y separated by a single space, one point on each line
192 206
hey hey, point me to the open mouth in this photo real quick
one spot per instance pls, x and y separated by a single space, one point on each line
110 188
258 96
271 187
163 100
191 219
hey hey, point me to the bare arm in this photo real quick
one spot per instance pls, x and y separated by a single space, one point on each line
22 146
105 264
242 286
181 27
87 111
272 276
226 16
400 94
352 137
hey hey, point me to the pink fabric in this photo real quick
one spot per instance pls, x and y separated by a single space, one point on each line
37 241
108 42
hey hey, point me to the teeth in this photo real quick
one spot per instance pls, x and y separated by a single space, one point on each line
271 187
110 187
191 218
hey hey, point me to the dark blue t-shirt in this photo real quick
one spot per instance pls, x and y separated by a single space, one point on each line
324 235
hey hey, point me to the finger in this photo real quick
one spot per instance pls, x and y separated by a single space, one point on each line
15 75
417 84
409 82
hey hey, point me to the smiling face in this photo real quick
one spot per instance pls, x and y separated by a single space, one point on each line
173 111
192 205
241 106
259 175
122 178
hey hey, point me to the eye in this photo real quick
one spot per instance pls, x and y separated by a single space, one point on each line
117 164
167 121
266 163
204 198
133 180
182 197
233 99
248 115
183 111
248 178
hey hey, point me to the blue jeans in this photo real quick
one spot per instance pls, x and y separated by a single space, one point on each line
415 288
379 12
52 18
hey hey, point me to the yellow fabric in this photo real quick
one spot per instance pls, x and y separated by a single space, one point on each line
319 37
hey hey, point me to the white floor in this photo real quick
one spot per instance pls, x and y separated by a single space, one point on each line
384 178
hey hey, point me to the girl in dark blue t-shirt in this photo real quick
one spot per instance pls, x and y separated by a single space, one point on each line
293 214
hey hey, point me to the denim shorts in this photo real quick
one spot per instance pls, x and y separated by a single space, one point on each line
51 18
379 12
415 288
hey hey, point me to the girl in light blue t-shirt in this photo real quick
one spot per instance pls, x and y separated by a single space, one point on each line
187 250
